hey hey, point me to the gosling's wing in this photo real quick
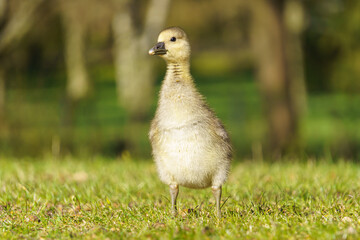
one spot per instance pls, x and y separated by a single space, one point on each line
215 122
153 129
220 130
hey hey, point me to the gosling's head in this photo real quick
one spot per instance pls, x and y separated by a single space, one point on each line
173 45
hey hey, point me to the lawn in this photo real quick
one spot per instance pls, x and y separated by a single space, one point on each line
121 198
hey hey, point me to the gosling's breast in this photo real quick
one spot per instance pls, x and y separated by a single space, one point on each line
186 155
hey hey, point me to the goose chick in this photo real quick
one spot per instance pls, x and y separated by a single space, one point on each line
190 146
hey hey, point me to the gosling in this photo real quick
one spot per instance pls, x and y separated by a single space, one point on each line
190 146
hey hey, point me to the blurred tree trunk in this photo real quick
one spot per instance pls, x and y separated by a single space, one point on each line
2 99
275 36
74 27
18 24
134 68
3 7
13 29
294 24
73 16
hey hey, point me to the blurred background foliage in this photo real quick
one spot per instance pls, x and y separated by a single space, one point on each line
283 75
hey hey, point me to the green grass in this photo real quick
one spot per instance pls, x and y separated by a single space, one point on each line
112 198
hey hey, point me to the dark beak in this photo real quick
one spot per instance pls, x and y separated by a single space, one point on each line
158 49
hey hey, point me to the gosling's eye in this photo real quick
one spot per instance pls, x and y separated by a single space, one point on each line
173 39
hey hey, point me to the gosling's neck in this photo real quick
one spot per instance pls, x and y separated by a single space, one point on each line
178 72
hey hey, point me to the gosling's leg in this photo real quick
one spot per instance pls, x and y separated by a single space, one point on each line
174 191
216 190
